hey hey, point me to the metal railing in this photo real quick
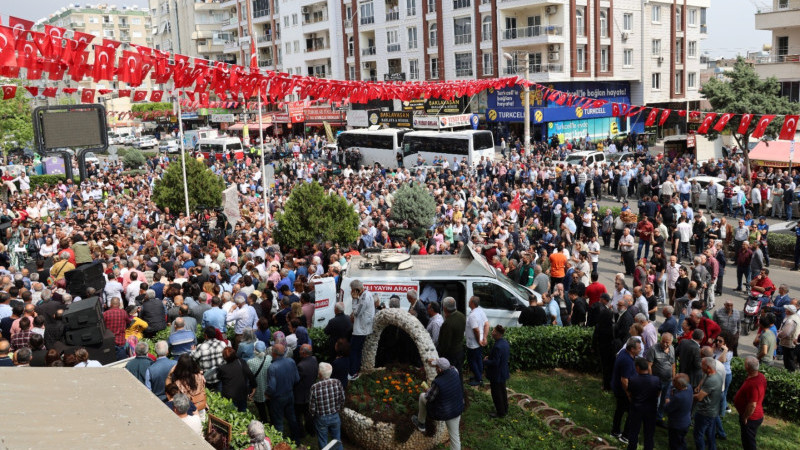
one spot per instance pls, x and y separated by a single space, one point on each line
124 25
264 38
367 51
315 18
534 68
464 72
265 63
393 15
462 39
393 48
533 31
777 59
77 24
108 25
366 20
317 48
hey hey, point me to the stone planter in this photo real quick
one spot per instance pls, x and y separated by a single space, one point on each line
545 411
575 431
558 423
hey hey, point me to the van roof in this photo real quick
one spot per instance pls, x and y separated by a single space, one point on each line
218 140
451 134
468 264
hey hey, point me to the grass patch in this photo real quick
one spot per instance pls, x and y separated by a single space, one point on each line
580 398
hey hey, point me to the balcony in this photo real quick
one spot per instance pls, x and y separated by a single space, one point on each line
391 48
124 25
80 24
533 32
368 51
535 69
315 18
261 13
392 16
464 72
231 46
125 38
458 4
264 38
265 63
782 67
108 25
317 48
771 19
461 39
367 20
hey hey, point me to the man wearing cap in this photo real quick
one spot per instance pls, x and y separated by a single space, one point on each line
444 401
787 337
497 371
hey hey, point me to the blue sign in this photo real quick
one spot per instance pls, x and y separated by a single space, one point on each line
474 120
578 129
505 105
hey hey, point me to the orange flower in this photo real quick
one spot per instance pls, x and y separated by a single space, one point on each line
378 381
390 399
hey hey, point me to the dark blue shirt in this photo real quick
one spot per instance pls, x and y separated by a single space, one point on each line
281 377
623 368
497 364
645 390
669 326
679 408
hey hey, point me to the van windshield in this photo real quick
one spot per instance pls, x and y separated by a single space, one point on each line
511 285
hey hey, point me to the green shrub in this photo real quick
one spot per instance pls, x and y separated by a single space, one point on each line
223 408
615 211
781 245
547 347
783 390
40 180
134 172
133 159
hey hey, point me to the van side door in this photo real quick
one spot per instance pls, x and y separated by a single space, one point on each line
501 306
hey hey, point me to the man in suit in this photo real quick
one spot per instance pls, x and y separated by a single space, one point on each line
679 410
155 377
602 319
497 371
689 357
337 328
645 390
451 334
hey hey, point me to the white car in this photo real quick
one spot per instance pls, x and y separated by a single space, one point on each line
169 146
128 139
704 181
147 142
91 158
592 158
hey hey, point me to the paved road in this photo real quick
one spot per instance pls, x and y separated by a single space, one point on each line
609 266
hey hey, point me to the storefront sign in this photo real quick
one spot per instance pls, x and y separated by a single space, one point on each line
691 141
426 122
579 129
435 106
357 118
460 120
223 118
395 119
319 115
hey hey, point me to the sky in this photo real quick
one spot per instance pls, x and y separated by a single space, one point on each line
731 23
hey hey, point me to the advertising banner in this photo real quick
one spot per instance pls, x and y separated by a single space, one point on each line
396 119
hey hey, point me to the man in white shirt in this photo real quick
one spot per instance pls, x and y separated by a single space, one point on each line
180 406
113 289
476 331
132 291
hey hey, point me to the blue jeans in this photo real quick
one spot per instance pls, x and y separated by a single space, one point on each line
120 352
665 385
723 406
280 407
685 197
727 206
329 426
646 245
789 210
704 432
738 208
356 348
475 358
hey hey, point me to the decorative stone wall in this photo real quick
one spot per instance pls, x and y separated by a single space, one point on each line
408 323
373 435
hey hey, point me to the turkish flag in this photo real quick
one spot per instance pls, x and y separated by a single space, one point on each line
19 25
761 128
253 54
204 99
139 96
103 64
8 44
789 128
50 30
104 91
34 91
9 91
615 110
69 90
42 42
124 92
516 204
56 48
50 92
87 96
79 67
35 72
83 40
111 44
723 121
26 53
664 116
155 96
707 121
130 68
744 124
651 118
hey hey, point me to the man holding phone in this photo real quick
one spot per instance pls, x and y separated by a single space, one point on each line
363 316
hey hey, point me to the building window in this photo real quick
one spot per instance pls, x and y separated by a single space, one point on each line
352 71
367 13
108 34
431 6
656 82
486 29
580 27
656 47
296 46
434 67
679 82
603 23
464 64
288 48
692 19
462 30
432 35
392 42
535 63
488 65
692 49
783 4
294 19
691 80
604 59
627 21
413 69
679 50
627 57
679 18
136 21
412 37
286 21
411 7
580 58
458 4
351 48
656 13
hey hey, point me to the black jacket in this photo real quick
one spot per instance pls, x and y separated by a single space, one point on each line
338 327
153 313
446 396
237 380
532 316
308 369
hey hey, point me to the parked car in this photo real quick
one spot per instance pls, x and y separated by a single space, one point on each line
618 157
592 158
147 142
704 181
170 146
91 158
128 140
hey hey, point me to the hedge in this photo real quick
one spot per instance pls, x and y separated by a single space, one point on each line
781 245
52 180
783 389
223 408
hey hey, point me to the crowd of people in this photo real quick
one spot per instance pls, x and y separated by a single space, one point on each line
533 219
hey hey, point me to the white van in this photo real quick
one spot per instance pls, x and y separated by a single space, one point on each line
192 137
216 147
434 276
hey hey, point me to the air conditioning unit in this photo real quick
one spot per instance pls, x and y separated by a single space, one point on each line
660 59
305 10
554 48
364 66
625 36
552 56
550 10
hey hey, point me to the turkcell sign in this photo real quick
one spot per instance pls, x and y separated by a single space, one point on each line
506 105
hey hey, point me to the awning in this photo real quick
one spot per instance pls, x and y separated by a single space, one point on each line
773 154
250 126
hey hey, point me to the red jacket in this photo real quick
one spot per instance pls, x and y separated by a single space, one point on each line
710 330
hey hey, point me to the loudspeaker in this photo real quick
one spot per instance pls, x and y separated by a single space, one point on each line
91 335
84 276
106 351
85 313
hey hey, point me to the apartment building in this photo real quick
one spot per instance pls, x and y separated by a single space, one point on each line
191 27
782 18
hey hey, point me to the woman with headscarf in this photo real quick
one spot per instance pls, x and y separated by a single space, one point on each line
280 338
247 344
258 439
302 336
259 364
189 378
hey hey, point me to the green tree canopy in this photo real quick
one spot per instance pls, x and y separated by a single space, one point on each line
741 92
16 120
144 107
311 215
205 188
414 205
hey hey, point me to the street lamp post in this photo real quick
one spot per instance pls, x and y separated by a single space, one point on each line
526 102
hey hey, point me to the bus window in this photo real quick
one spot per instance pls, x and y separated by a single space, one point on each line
483 141
235 146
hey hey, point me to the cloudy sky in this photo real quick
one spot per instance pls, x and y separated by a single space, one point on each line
731 22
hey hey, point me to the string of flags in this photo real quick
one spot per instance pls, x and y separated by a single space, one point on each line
65 55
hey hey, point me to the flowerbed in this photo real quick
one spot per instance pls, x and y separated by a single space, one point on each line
390 396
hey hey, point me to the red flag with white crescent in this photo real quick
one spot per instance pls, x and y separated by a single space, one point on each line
789 128
8 45
9 91
103 63
69 90
744 124
34 91
761 128
156 96
651 118
19 25
87 96
26 53
49 92
664 116
124 92
615 110
707 121
139 96
253 54
723 121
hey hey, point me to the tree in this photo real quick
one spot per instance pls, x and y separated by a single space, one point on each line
413 205
16 121
311 215
744 92
134 159
205 188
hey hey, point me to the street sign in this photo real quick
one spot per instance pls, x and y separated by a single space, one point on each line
223 118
